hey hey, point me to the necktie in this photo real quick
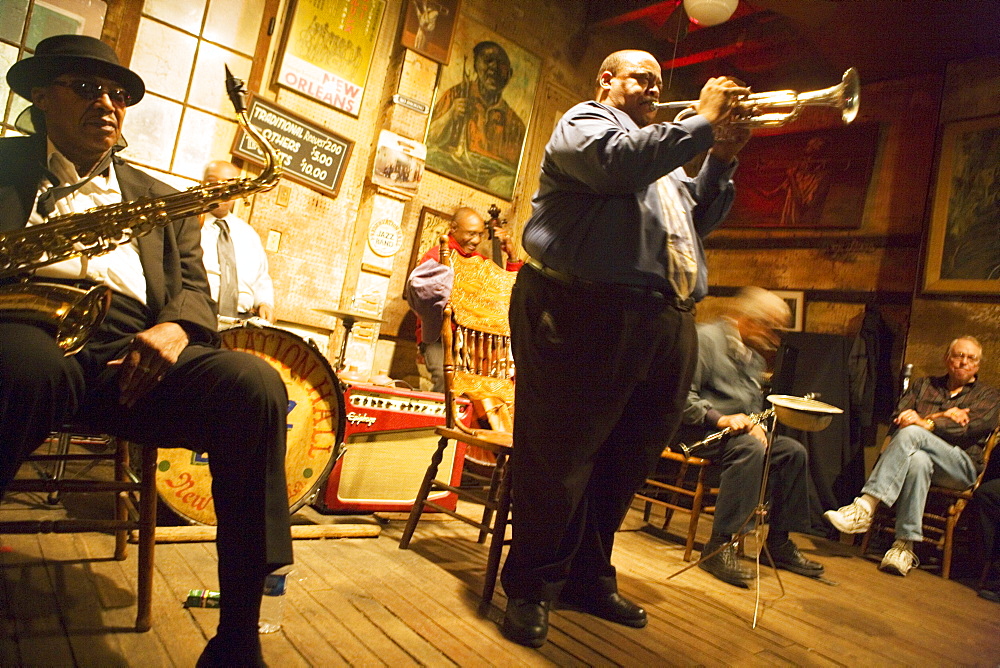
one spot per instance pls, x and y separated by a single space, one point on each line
683 269
228 290
47 200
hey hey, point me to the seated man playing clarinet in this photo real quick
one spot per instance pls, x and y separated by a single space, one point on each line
726 393
152 371
941 424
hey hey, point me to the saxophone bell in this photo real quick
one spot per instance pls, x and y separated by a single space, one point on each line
67 313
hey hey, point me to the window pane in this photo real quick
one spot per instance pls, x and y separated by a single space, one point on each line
61 17
8 56
150 129
234 23
17 106
208 89
163 58
12 13
185 14
203 138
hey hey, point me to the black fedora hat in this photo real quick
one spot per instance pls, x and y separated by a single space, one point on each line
79 54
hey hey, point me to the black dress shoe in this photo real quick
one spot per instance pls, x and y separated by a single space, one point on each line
725 566
232 653
613 607
526 622
788 557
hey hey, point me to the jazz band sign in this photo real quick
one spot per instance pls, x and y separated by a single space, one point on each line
306 152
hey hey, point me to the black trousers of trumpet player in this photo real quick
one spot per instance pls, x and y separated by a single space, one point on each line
231 405
741 459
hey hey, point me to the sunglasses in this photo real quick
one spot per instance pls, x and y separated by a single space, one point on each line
90 91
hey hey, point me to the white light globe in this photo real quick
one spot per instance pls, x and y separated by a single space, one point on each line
710 12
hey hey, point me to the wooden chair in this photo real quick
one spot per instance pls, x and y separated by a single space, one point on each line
684 486
134 493
941 514
477 365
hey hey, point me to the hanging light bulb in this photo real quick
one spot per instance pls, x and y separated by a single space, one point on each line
710 12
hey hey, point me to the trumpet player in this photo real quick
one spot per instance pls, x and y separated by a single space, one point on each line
725 392
602 330
152 372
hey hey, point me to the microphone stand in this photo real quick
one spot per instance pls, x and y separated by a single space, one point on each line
757 515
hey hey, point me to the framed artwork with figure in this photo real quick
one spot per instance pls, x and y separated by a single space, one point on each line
482 106
429 26
327 49
812 179
963 247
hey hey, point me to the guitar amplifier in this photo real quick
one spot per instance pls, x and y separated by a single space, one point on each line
388 442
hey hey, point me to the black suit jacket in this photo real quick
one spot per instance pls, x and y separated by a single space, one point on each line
176 283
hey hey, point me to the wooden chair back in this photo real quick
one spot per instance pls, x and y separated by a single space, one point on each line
476 335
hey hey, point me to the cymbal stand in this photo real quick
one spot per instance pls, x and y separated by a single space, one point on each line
757 515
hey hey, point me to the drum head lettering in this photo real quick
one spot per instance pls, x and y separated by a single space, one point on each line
315 428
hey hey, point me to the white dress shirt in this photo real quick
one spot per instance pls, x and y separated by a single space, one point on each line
255 286
119 269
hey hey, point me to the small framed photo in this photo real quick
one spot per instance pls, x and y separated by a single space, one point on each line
796 300
429 27
432 226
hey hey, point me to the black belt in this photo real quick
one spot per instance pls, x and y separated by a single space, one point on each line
611 288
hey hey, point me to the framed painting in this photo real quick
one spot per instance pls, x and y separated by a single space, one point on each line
327 50
963 246
808 179
430 228
796 300
481 110
429 27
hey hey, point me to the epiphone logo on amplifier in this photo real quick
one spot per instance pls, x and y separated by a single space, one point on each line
388 442
359 418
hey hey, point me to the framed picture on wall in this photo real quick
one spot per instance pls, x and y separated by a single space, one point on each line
429 27
430 228
813 179
482 106
327 50
796 300
963 247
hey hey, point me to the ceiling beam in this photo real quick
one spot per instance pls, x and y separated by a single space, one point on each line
604 14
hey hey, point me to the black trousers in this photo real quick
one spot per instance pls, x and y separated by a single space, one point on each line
987 505
229 404
601 380
742 460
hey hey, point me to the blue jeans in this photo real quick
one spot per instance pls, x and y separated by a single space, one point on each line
914 460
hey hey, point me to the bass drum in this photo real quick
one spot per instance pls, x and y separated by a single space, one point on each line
315 426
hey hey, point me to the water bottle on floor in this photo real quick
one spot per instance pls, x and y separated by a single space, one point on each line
273 602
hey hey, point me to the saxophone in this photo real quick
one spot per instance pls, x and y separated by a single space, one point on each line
72 314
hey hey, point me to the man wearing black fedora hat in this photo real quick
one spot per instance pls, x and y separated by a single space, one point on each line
152 372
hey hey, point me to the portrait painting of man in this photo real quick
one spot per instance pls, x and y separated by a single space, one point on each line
479 120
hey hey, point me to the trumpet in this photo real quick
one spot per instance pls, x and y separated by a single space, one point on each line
763 109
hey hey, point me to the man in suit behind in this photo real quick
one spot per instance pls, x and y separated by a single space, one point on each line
152 371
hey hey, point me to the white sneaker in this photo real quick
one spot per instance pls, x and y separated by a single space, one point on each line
852 518
899 559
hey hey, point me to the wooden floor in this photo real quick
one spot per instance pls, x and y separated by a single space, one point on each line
363 601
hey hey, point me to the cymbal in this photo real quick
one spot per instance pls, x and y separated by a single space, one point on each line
802 413
349 315
802 404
